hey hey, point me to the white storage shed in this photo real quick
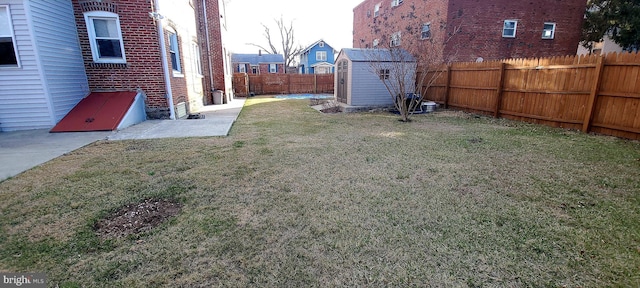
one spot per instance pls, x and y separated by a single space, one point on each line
358 76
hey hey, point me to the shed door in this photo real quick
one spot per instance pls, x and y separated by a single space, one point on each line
343 83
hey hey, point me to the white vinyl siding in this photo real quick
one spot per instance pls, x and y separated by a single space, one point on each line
51 78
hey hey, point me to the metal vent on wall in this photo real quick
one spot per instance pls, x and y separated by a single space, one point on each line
181 110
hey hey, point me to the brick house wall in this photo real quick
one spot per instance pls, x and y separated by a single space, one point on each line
476 27
264 68
143 69
212 52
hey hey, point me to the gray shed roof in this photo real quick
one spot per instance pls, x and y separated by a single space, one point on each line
377 55
256 59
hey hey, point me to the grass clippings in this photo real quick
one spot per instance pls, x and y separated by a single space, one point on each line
297 198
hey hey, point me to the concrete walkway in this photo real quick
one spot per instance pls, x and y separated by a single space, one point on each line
23 150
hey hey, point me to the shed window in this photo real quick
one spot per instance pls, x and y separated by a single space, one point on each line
273 68
7 39
105 37
384 74
549 30
509 28
174 50
321 55
426 31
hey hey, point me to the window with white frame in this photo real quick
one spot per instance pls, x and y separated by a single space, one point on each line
273 68
376 42
395 40
174 50
384 74
376 10
321 55
425 33
395 3
197 62
8 55
242 68
509 28
321 44
105 37
549 30
254 69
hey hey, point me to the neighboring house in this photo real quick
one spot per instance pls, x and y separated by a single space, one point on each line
55 53
471 30
42 75
605 46
358 82
258 63
318 58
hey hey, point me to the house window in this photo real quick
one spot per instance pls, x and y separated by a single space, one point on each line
321 56
254 69
105 37
549 30
197 62
376 10
174 50
273 68
395 40
426 31
509 28
395 3
8 55
321 44
384 74
242 68
376 42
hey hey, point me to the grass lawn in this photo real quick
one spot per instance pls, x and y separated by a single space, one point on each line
295 198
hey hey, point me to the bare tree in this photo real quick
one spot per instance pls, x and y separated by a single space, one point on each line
287 42
407 74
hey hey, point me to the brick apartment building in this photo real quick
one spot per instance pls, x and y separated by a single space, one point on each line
471 30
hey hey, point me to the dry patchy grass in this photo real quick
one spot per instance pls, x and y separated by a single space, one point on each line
296 198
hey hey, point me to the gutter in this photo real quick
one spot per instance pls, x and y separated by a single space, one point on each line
163 55
206 31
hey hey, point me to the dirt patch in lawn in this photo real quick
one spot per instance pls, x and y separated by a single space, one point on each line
136 218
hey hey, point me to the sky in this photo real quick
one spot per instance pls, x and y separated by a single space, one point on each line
331 20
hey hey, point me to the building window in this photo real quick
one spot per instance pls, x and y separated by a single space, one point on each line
254 69
376 42
321 44
395 3
426 31
549 30
509 28
197 61
242 68
105 37
395 40
384 74
8 55
273 68
321 56
174 50
376 10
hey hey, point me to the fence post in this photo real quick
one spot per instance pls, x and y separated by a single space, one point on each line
595 90
496 112
315 83
446 88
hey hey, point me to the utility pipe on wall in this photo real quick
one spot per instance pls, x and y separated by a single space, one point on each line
165 63
206 31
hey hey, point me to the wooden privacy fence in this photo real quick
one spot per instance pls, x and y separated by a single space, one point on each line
598 94
244 84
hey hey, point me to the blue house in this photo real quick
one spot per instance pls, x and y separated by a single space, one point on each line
318 58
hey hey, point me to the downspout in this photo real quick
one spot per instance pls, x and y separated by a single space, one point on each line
206 32
163 54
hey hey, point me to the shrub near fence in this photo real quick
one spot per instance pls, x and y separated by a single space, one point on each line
598 94
282 83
